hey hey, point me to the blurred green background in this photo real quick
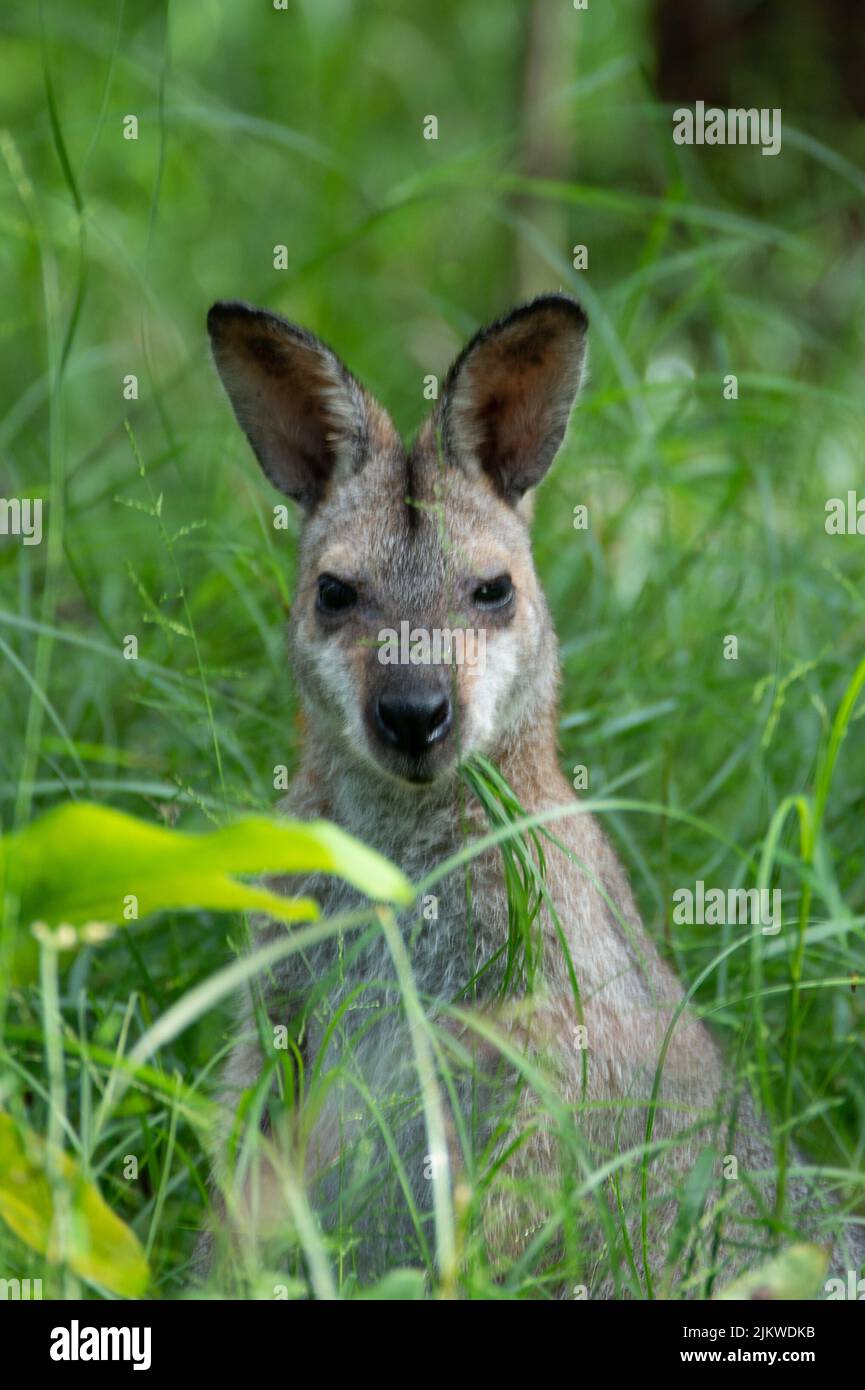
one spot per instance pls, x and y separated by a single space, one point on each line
304 127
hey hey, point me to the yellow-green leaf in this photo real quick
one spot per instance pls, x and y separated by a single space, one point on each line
798 1272
100 1247
87 867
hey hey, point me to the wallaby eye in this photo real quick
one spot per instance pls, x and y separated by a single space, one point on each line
334 596
494 593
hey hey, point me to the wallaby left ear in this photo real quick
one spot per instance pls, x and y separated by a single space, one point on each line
507 398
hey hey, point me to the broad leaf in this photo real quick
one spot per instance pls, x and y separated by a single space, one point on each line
797 1272
397 1286
89 867
100 1247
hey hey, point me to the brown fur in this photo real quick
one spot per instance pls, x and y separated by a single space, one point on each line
415 533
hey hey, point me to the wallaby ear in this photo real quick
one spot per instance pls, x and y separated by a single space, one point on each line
507 398
305 415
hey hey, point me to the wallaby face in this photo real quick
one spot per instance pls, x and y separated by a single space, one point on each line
420 551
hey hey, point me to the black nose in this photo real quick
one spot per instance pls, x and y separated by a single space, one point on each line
413 722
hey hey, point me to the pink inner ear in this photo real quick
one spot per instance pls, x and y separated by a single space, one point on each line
509 394
269 354
306 417
516 393
283 389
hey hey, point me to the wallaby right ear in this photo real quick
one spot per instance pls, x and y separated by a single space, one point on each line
304 414
507 398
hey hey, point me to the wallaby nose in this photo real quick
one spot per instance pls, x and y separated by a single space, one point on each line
413 721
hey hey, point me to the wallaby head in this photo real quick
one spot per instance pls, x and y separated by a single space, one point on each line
419 632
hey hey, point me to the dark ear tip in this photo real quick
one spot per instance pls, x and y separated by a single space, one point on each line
230 321
561 302
220 313
568 312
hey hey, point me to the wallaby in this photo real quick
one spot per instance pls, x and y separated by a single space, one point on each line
437 536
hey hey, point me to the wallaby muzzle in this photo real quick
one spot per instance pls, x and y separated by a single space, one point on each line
411 718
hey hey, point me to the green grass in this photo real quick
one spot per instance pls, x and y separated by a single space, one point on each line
706 519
